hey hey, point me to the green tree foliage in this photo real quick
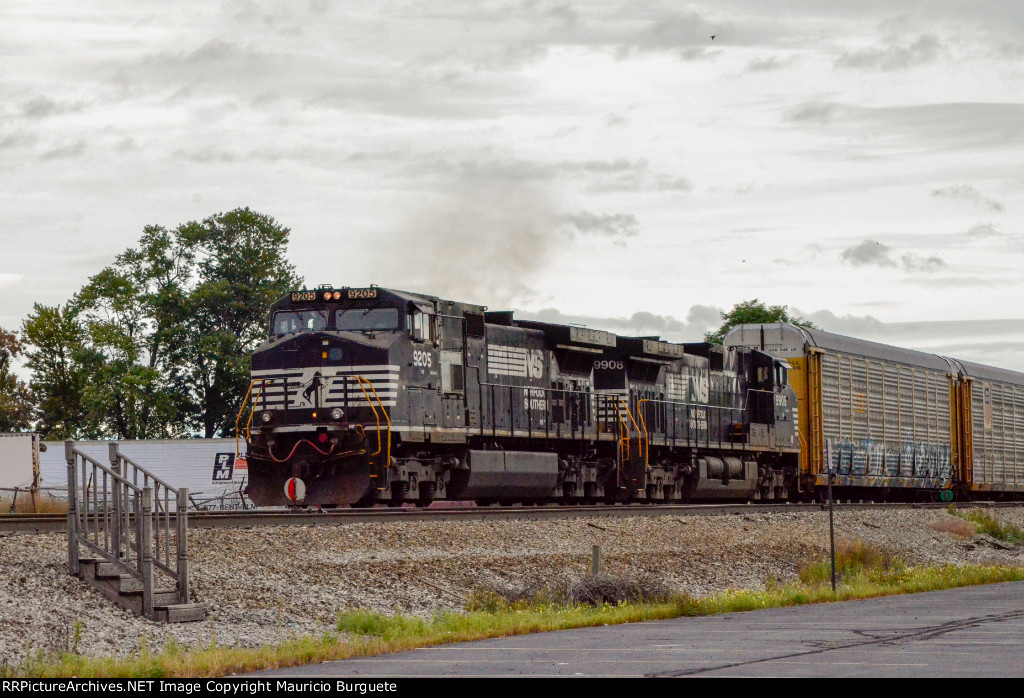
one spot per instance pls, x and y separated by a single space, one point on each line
131 312
240 269
16 402
754 312
54 342
158 344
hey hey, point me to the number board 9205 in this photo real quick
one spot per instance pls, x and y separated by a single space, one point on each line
303 296
362 293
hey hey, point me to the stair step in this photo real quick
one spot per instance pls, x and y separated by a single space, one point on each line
180 613
161 597
108 570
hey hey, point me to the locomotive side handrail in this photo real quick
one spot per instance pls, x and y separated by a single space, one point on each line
387 461
717 410
640 444
551 426
248 393
252 412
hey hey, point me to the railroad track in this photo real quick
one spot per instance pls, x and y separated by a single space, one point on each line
340 517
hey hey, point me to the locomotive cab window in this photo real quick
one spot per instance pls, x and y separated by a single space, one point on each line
421 325
366 319
288 321
781 373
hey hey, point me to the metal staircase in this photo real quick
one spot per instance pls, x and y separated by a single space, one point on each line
123 538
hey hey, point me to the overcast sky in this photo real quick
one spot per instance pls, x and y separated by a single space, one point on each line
605 162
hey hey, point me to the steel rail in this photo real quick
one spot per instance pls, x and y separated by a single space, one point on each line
339 517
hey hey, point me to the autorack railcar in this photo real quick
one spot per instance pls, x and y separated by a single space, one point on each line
895 423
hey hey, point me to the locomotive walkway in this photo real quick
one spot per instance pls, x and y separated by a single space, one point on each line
969 632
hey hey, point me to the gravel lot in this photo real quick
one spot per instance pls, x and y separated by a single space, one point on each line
265 583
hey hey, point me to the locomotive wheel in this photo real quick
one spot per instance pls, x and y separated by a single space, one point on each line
427 492
484 502
569 493
507 502
399 491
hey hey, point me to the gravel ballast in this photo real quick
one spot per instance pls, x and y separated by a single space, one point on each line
268 583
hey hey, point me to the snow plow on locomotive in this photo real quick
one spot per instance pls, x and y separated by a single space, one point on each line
371 395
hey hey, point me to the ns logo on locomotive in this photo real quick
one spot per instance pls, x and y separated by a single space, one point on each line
371 395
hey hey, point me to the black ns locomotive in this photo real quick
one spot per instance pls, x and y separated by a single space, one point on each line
367 395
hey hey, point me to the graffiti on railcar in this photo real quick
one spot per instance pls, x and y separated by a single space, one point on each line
922 459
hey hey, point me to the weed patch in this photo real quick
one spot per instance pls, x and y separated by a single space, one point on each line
957 526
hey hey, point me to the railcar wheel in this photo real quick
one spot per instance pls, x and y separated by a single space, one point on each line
484 502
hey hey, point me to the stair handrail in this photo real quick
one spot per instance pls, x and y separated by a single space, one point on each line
131 547
173 564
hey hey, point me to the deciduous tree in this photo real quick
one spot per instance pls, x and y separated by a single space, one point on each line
54 342
16 402
753 312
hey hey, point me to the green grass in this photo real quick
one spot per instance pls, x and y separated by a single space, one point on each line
990 526
863 571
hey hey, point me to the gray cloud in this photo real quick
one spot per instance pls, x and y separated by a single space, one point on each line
872 253
42 107
71 150
621 174
990 342
866 253
924 50
917 263
942 126
764 65
18 139
968 193
609 225
699 319
983 230
815 112
850 325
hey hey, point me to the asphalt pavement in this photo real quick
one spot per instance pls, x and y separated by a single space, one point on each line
971 631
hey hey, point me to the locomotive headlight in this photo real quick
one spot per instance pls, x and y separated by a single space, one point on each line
336 295
337 414
327 295
266 417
